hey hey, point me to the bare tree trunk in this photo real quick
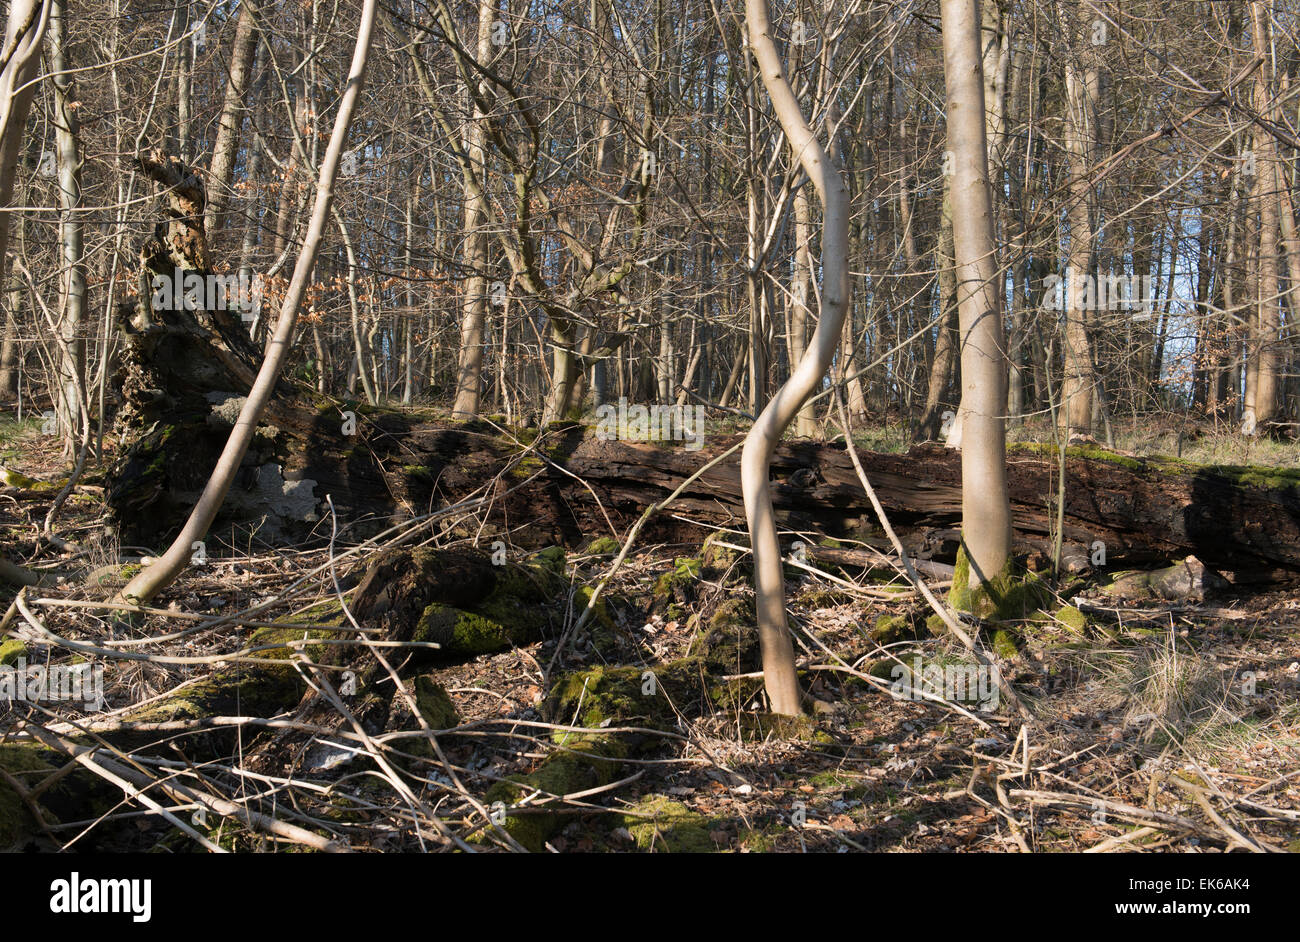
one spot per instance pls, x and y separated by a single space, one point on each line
806 424
986 510
24 32
226 145
1264 355
469 379
72 284
945 346
1081 87
773 633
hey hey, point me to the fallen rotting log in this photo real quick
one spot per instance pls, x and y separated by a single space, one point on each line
567 486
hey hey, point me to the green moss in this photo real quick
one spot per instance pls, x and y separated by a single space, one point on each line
112 576
761 841
830 543
602 546
1265 477
78 794
459 632
600 612
627 696
1072 618
1086 452
583 764
890 628
729 644
717 562
241 689
16 821
434 704
11 651
327 614
756 727
660 825
1010 595
11 478
1004 644
679 583
539 580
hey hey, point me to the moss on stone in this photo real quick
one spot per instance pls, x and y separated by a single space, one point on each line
434 704
736 694
16 821
890 628
79 794
584 763
627 696
600 611
729 644
660 825
460 633
1072 618
1004 643
12 478
755 727
10 651
717 562
679 583
602 546
327 614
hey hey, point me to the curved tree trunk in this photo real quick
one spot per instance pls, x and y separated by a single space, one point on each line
773 633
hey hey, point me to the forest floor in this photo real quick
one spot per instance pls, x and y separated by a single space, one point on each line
1155 726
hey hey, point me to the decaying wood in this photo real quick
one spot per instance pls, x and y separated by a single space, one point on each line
397 464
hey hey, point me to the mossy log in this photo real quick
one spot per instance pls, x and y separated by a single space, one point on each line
1244 523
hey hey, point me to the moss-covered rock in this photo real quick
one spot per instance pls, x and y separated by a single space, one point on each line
660 825
1072 618
729 643
583 763
628 696
602 546
434 704
721 563
11 649
600 611
268 682
889 629
463 634
676 588
79 794
756 727
736 694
